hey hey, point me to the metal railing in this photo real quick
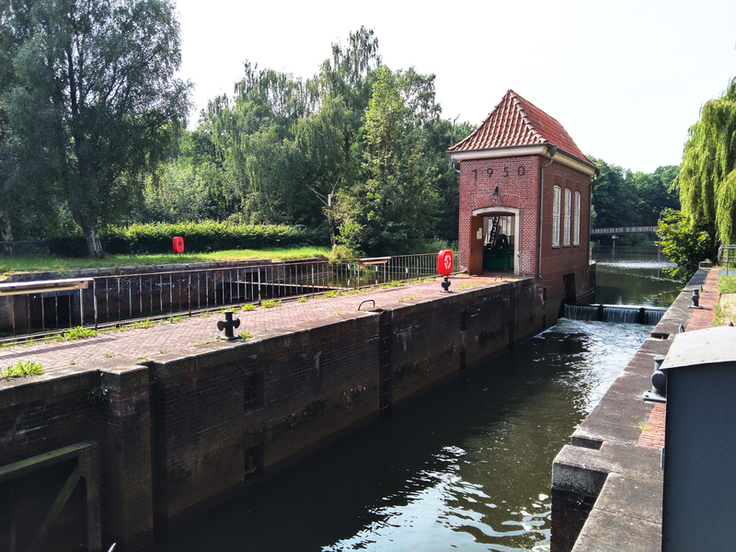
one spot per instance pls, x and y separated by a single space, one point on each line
623 230
117 299
727 256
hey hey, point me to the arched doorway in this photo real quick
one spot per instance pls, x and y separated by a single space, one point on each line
495 238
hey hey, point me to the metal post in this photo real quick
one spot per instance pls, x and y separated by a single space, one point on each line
94 299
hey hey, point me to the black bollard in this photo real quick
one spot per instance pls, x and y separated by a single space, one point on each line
228 325
446 284
695 304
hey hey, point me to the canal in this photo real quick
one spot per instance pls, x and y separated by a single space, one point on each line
467 468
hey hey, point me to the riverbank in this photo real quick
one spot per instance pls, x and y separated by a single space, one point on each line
607 483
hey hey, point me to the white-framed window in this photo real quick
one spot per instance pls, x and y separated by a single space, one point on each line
556 217
576 224
568 213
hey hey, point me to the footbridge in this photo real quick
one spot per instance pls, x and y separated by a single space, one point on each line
623 230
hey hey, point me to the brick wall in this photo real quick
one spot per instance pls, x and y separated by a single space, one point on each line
232 417
517 180
125 452
49 414
185 434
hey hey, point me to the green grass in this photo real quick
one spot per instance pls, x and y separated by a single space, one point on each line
727 284
34 262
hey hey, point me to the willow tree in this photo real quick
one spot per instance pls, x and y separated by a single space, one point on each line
94 99
707 179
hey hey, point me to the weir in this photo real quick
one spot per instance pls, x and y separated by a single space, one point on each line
619 314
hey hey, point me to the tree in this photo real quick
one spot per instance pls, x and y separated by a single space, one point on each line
686 245
328 138
95 105
655 194
255 135
614 201
707 180
396 200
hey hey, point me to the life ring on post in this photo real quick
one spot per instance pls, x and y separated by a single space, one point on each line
445 262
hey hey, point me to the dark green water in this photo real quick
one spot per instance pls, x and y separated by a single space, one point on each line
467 468
633 276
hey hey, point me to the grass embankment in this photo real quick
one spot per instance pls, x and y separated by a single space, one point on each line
37 263
726 307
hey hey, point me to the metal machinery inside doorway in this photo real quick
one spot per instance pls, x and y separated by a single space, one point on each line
499 233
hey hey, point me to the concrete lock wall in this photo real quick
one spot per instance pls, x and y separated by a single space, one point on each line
182 435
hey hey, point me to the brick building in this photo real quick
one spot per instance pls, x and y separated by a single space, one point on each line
525 202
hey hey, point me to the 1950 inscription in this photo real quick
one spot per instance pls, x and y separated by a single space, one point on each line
505 172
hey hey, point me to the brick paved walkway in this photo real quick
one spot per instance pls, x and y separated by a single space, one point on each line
705 317
189 333
653 435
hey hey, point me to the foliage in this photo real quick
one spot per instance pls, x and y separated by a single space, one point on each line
307 152
21 369
77 332
339 252
93 104
707 180
625 198
686 245
395 203
198 237
96 394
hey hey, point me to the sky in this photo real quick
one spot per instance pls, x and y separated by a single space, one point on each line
626 78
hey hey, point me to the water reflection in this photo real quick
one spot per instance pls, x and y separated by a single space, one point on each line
633 276
466 468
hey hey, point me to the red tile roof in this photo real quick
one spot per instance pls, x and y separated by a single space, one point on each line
517 122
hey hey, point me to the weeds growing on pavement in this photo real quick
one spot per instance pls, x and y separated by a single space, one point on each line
21 369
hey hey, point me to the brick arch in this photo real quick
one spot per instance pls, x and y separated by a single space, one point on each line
490 211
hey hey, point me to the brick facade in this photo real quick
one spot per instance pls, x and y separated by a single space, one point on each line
510 167
511 186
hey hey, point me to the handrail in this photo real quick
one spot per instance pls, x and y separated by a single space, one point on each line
44 286
730 256
49 306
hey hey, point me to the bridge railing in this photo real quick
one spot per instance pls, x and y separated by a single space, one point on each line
623 230
117 299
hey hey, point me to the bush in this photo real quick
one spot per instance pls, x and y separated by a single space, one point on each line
199 237
339 252
684 244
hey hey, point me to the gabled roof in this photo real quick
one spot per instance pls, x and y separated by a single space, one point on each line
517 122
